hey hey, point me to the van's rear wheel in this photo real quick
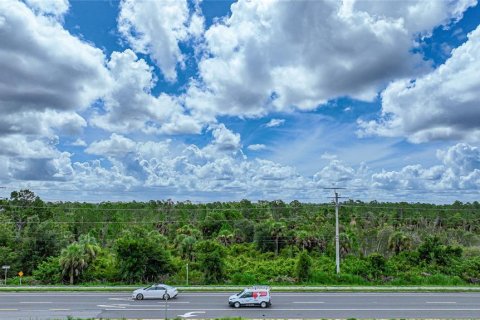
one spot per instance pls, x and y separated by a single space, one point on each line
263 304
236 304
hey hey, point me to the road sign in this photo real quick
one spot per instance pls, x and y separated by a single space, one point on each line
6 270
20 274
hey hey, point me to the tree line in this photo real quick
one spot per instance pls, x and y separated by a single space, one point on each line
268 242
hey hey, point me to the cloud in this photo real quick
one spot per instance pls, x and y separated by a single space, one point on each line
256 147
275 123
56 8
189 172
255 62
43 169
442 105
157 27
224 139
22 146
79 143
117 145
462 158
36 77
460 170
418 16
130 106
48 76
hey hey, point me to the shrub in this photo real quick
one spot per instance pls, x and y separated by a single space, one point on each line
49 271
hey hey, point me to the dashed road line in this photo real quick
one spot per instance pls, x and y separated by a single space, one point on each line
59 309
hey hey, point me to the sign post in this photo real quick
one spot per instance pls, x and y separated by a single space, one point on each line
20 274
6 270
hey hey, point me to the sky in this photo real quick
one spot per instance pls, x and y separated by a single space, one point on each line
229 100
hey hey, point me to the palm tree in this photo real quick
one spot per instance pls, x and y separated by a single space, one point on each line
73 260
90 247
277 231
225 237
399 241
186 247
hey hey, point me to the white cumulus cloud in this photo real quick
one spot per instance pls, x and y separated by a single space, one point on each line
442 105
130 105
271 56
157 27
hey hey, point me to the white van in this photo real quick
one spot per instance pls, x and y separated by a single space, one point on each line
254 296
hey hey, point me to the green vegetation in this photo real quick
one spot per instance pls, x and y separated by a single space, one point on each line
238 243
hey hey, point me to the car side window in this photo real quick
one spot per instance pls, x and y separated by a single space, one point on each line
247 295
160 288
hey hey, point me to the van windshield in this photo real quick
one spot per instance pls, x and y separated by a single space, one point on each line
240 293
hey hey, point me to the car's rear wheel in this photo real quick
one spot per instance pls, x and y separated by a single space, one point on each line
236 304
139 296
263 304
166 296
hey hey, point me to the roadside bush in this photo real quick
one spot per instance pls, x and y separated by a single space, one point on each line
243 278
49 271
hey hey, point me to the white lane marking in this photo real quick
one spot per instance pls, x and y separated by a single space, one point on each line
309 309
308 302
118 306
8 309
441 302
139 305
36 302
190 314
59 309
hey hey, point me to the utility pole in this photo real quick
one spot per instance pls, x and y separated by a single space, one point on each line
337 233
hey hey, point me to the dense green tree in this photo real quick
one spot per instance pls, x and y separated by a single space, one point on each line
304 267
433 251
377 264
142 256
211 257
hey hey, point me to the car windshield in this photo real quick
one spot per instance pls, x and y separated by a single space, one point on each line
240 293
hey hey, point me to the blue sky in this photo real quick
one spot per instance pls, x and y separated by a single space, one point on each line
225 100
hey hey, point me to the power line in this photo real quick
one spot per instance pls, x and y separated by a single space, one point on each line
205 207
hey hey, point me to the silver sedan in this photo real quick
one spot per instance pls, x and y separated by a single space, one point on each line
156 291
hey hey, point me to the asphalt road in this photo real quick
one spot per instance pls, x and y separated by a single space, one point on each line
59 305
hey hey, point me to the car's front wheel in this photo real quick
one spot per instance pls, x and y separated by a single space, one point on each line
166 296
236 304
263 304
139 296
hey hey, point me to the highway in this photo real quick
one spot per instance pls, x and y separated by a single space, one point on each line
59 305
